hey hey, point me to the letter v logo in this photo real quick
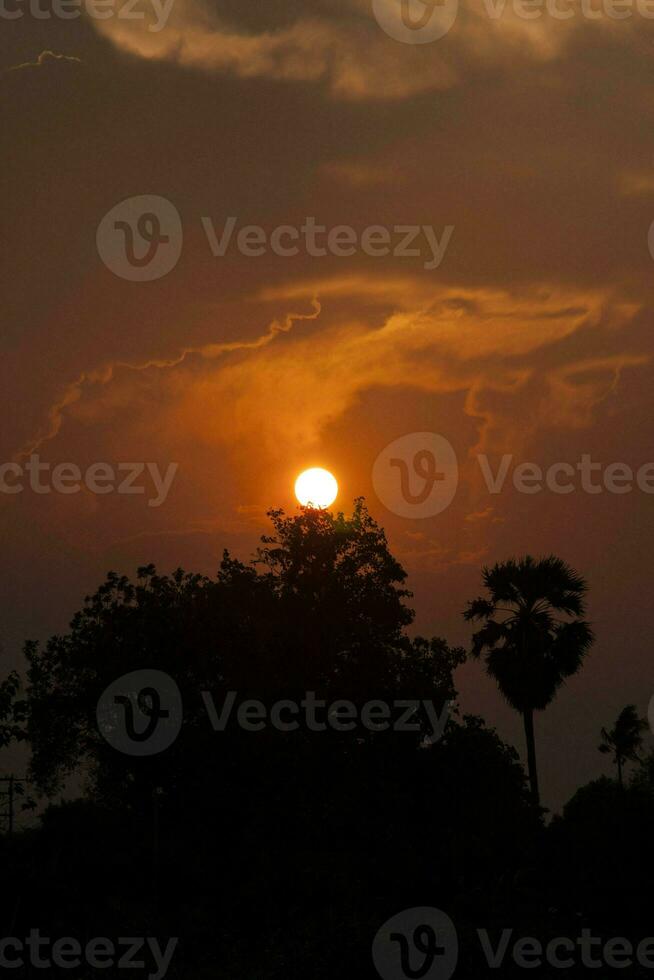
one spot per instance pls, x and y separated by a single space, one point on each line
415 21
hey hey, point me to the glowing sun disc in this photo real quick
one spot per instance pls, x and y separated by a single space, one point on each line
316 488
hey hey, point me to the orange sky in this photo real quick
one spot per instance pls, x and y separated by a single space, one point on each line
532 337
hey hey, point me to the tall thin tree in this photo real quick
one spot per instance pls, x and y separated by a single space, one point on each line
625 739
532 637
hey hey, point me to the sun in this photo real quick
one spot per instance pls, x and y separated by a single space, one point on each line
316 488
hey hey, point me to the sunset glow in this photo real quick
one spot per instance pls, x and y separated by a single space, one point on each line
327 488
316 488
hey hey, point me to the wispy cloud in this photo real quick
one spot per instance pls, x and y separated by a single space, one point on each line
46 58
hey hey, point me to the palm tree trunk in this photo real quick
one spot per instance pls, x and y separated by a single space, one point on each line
528 718
620 782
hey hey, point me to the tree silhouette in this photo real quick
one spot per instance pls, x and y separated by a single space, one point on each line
624 740
601 854
643 777
320 608
532 635
12 711
284 832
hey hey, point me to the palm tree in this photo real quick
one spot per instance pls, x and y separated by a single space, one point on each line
625 738
533 636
